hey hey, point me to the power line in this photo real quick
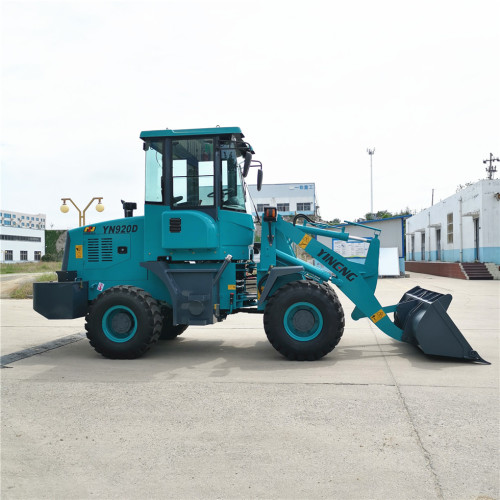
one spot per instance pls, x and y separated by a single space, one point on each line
492 168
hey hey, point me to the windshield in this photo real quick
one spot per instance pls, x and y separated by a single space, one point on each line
233 193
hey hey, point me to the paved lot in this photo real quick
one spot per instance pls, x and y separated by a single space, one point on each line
218 413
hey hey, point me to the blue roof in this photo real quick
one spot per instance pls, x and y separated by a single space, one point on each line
191 132
368 222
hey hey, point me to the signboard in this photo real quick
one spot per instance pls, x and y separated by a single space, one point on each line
388 262
351 249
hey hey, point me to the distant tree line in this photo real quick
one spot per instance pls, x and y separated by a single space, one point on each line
381 214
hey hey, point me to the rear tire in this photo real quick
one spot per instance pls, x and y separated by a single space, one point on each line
123 322
304 320
170 331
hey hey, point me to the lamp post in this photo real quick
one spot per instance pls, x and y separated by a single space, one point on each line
371 152
81 213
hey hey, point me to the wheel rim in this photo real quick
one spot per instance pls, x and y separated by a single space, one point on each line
303 321
119 324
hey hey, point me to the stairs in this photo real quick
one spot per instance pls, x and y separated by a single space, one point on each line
476 271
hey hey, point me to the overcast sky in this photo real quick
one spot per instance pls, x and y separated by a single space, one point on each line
312 84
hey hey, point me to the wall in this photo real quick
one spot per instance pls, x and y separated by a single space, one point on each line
19 245
391 235
274 194
480 202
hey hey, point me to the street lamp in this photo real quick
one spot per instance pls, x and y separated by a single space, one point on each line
81 214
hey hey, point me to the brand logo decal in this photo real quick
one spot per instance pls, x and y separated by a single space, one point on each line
121 228
89 229
337 266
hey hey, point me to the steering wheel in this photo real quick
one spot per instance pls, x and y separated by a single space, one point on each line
225 191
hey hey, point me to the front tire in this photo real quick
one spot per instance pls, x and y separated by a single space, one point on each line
304 320
123 322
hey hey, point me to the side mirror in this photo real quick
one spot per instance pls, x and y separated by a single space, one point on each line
260 176
246 164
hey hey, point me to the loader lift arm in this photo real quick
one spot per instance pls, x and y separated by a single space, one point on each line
357 281
420 317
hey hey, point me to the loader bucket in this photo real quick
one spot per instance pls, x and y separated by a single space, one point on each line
422 316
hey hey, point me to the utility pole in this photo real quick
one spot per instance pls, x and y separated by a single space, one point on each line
371 152
491 169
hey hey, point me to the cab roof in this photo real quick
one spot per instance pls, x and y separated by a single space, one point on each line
191 132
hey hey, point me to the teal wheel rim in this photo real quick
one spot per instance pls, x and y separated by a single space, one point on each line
119 324
303 321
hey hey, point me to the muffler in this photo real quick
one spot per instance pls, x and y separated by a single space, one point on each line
422 316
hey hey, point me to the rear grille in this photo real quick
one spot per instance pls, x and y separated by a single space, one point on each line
100 250
93 250
107 250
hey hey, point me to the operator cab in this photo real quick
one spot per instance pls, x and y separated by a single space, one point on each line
197 169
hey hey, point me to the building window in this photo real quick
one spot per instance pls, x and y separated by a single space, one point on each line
7 216
283 207
9 255
303 206
423 246
24 255
38 255
7 222
449 227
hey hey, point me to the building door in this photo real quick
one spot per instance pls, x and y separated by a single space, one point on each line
476 238
438 244
422 246
412 247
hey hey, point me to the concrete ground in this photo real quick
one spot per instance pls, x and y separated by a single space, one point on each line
217 413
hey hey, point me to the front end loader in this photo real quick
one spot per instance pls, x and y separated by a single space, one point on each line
191 259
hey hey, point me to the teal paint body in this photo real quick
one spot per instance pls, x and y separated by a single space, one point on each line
179 243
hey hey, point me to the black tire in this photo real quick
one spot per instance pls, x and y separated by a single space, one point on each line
304 320
123 322
170 331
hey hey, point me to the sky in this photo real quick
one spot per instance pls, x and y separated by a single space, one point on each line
311 84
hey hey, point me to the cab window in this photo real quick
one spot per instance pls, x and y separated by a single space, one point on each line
233 193
193 173
154 172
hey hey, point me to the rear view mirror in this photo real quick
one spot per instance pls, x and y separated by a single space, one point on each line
246 164
260 176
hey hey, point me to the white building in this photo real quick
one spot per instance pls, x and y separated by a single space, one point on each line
392 243
22 236
462 228
288 198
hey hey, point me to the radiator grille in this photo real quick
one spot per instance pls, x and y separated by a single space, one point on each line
106 250
100 250
93 250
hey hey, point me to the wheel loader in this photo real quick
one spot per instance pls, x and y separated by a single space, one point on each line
192 259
